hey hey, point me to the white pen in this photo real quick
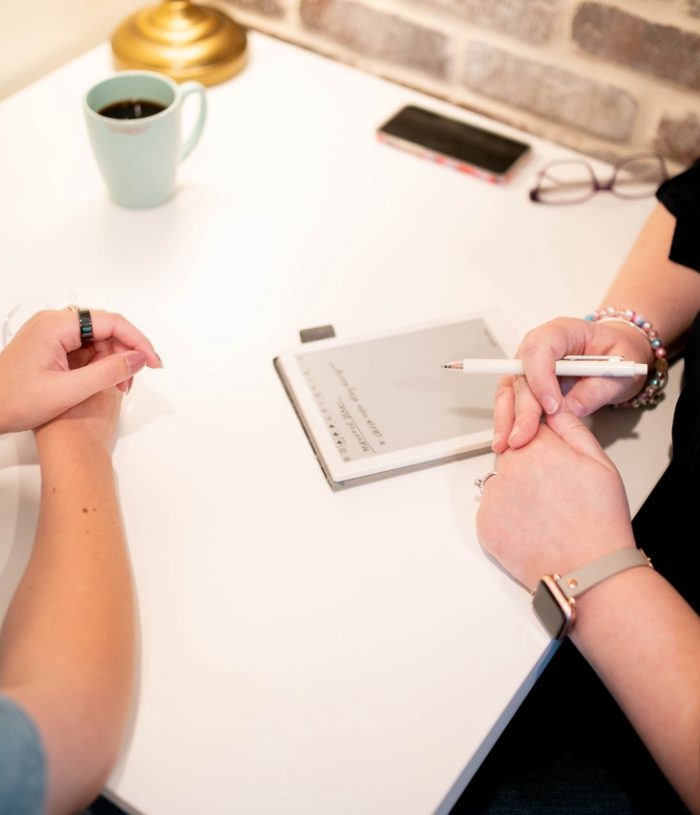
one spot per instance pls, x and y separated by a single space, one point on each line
568 366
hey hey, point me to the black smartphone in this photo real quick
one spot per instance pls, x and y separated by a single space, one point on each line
453 143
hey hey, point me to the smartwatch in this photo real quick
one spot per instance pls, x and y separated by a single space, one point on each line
554 599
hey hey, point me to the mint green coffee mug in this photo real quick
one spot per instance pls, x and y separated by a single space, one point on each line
134 123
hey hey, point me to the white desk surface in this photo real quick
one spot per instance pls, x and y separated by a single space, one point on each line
301 651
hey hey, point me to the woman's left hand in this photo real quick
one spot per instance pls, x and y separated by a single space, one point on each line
555 504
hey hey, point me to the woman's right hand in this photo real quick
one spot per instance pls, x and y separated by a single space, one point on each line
40 378
521 400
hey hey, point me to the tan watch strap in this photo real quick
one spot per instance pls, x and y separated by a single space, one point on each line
580 580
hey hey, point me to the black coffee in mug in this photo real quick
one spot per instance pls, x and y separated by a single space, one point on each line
131 109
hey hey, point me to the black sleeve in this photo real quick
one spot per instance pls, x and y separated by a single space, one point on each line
681 197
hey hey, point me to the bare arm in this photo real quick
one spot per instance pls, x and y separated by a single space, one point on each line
543 514
643 640
665 292
66 647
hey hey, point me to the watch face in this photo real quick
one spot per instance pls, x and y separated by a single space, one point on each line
554 610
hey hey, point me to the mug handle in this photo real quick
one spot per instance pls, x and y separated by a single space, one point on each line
187 88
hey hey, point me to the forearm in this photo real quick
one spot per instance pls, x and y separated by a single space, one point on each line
665 292
643 640
66 649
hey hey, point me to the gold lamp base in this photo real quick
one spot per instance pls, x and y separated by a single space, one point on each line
183 40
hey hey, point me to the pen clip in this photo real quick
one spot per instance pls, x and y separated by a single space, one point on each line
592 358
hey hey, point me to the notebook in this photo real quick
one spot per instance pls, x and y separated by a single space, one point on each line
381 404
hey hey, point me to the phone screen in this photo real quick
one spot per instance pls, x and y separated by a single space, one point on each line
472 146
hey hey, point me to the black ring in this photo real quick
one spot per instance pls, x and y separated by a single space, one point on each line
85 320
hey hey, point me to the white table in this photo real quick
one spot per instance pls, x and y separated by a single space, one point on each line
302 651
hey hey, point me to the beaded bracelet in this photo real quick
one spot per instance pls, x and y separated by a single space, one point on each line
651 394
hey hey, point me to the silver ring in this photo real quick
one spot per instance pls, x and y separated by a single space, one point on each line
479 482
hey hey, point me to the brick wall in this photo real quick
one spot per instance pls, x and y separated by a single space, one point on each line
608 78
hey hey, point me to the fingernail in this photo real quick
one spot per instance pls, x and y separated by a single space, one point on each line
550 404
496 440
129 383
135 360
514 433
161 361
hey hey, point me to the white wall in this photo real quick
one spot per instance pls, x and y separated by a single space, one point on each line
37 36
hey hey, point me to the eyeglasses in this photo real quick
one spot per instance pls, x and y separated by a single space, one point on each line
573 181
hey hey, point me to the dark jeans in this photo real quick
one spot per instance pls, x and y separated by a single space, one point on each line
569 751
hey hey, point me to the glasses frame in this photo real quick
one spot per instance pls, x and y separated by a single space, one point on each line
596 184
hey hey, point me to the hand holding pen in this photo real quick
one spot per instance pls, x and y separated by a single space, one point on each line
522 399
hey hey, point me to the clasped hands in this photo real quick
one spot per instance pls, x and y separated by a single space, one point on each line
44 371
558 501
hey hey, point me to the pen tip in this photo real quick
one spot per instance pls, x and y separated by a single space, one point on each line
453 366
